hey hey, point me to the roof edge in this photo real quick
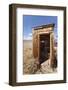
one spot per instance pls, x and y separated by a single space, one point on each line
43 26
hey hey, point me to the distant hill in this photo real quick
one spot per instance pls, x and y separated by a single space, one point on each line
27 40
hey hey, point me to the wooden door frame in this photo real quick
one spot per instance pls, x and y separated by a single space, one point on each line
39 43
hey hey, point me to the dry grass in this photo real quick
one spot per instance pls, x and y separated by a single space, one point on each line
30 65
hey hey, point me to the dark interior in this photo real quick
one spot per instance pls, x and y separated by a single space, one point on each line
44 47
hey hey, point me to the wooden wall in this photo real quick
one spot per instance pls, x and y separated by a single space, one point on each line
36 40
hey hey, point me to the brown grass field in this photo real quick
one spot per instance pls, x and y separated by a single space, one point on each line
29 63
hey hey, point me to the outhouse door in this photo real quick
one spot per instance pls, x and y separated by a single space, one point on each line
44 47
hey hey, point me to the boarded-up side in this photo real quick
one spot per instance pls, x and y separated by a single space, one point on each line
35 44
52 49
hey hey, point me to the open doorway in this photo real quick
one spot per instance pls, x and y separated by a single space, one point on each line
44 47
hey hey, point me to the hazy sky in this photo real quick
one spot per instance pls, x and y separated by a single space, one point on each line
33 20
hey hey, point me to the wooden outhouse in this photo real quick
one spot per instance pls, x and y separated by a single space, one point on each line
43 43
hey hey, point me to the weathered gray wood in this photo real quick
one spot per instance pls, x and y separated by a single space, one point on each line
36 42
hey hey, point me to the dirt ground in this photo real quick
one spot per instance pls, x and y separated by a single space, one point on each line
29 63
